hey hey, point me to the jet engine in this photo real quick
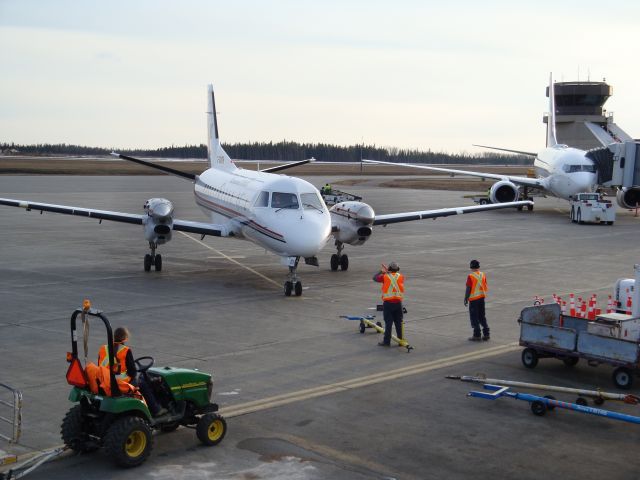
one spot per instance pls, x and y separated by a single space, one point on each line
628 197
158 224
352 222
503 191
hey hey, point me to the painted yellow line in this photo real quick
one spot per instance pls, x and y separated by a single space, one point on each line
292 397
232 260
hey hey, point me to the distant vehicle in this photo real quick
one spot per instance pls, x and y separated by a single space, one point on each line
333 196
591 208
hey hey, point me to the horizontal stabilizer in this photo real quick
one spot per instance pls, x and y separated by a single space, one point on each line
162 168
288 165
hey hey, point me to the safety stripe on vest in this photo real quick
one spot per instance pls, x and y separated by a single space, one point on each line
478 290
393 285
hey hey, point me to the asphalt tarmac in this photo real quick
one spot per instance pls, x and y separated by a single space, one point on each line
306 395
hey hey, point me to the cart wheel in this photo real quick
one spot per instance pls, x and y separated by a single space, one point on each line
379 324
529 358
362 327
582 401
570 361
598 401
550 407
622 378
538 408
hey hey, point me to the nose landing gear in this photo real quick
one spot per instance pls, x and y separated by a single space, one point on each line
339 259
293 285
152 258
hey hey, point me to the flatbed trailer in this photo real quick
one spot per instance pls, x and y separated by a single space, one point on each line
546 333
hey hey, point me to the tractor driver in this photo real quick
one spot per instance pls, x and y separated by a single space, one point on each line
126 369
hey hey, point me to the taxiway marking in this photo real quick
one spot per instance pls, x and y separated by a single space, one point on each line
358 382
232 260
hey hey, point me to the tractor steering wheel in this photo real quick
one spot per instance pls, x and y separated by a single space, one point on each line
144 363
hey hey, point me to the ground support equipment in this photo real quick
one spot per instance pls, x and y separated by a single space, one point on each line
540 405
367 322
32 463
598 396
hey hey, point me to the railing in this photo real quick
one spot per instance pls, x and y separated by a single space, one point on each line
13 412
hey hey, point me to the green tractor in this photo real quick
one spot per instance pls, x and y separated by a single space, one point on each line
121 423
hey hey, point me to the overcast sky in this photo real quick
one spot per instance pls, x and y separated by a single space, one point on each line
410 74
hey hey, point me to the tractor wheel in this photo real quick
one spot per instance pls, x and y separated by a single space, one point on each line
335 262
211 428
529 358
73 431
128 441
573 215
579 217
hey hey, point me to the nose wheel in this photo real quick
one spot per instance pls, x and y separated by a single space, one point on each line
339 259
293 285
153 259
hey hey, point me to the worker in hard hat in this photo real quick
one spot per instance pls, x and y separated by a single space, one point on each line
392 295
474 297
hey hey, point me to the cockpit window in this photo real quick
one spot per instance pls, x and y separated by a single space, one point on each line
311 200
579 168
284 200
262 200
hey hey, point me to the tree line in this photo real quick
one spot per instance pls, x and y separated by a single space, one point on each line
282 151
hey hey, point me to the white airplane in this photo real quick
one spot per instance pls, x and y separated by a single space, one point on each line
561 171
285 215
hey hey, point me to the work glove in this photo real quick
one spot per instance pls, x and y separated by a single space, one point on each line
466 302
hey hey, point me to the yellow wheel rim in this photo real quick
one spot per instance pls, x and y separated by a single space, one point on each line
216 429
136 443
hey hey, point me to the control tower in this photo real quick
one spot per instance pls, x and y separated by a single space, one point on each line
581 120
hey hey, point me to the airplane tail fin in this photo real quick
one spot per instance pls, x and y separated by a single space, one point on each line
552 140
218 158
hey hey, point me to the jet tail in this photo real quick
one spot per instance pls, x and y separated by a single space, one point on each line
218 158
552 140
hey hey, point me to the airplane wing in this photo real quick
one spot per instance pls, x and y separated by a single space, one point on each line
287 165
443 212
525 181
178 225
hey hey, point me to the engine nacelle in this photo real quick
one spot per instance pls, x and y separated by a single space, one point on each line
628 197
158 224
504 191
352 222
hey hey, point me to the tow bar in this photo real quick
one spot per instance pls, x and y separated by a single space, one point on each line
367 322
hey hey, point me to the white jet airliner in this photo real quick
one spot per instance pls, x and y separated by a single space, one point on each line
560 170
285 215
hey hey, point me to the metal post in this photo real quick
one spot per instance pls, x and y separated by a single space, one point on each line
635 312
16 414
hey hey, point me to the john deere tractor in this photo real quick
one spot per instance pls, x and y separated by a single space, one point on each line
114 416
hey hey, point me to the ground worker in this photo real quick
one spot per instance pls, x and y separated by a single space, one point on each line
126 371
474 297
326 189
392 296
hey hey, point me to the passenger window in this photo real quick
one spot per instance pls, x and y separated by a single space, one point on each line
284 200
262 200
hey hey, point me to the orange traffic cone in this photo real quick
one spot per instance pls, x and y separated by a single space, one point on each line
572 305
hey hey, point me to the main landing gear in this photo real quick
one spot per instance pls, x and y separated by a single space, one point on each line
339 259
152 258
293 285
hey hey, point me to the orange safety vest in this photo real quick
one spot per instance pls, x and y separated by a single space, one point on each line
120 367
479 287
392 287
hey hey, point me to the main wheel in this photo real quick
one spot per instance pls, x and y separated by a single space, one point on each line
211 428
344 262
298 288
571 361
529 358
128 441
335 262
158 262
147 262
73 431
288 287
483 201
530 208
538 408
623 378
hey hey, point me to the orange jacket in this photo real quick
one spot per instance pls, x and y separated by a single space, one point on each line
120 367
392 287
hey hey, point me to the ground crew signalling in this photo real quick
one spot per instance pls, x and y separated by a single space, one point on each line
392 295
474 297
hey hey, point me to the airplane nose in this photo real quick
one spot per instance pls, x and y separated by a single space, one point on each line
309 236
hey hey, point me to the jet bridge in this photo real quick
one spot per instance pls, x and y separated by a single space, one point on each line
618 164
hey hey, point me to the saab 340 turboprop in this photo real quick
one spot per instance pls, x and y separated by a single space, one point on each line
285 215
